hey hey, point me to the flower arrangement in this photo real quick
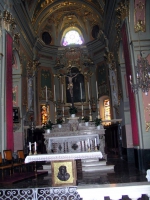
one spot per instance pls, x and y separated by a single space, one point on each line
98 121
60 120
48 125
72 110
86 118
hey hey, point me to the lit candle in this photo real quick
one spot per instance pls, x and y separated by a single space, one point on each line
30 146
96 91
95 142
54 94
88 90
81 90
46 92
62 92
35 146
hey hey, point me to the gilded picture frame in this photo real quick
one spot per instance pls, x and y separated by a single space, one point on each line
63 173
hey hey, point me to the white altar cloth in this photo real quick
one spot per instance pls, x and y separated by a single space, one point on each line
65 156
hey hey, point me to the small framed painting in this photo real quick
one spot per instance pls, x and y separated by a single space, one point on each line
63 173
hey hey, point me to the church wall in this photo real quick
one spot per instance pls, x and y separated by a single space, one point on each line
143 45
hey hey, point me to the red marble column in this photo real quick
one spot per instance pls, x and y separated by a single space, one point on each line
9 102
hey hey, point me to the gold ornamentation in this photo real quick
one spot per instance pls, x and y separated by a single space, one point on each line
140 26
32 67
139 17
110 60
147 126
123 10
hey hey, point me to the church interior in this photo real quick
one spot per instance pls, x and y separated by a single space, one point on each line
74 96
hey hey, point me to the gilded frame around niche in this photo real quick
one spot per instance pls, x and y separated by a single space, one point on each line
70 175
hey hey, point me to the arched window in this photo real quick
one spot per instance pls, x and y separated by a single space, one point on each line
72 37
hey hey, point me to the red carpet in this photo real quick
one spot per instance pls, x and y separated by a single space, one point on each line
20 177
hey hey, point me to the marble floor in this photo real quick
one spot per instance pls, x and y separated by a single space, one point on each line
123 173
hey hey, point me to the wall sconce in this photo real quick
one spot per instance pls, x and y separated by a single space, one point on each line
142 76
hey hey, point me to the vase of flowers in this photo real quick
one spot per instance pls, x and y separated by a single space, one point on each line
86 120
60 121
98 122
48 126
73 111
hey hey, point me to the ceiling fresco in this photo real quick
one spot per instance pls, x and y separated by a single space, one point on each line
64 14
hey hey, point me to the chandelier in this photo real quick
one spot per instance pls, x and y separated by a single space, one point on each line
142 76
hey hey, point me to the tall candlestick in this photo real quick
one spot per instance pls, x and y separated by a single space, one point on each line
88 90
46 92
54 94
62 92
81 90
96 91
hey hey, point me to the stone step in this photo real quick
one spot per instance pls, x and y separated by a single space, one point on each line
96 163
90 160
46 167
98 168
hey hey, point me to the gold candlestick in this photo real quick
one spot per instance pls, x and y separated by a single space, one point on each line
95 148
35 152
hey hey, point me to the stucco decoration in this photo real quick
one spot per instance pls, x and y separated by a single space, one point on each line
139 15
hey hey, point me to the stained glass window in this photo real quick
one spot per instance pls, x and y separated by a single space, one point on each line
72 37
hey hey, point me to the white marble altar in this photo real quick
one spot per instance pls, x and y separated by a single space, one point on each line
65 156
75 137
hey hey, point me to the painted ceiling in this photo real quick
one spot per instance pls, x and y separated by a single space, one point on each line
58 16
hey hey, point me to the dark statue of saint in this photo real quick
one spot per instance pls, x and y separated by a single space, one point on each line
63 175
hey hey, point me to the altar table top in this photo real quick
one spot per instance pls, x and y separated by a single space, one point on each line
65 156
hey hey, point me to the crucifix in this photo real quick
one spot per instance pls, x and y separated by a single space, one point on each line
70 77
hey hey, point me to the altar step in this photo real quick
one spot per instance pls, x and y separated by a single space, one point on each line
89 165
47 167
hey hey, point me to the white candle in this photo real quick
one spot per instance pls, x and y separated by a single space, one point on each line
95 142
88 90
46 92
35 146
88 142
82 144
54 94
62 92
81 90
96 91
30 146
